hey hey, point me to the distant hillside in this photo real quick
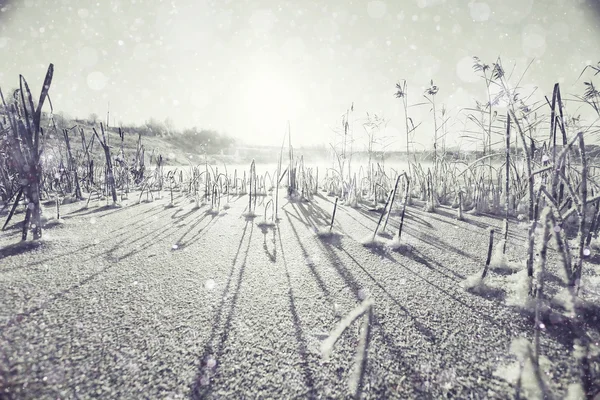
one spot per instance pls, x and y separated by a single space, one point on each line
176 148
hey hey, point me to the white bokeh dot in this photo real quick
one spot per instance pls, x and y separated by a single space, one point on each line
511 11
429 65
97 80
533 40
480 12
211 362
428 3
376 9
210 284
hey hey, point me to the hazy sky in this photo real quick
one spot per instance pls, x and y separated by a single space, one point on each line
246 67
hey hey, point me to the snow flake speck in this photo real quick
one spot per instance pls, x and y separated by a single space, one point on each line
211 362
210 284
480 12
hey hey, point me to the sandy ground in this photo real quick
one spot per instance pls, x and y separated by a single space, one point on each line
146 301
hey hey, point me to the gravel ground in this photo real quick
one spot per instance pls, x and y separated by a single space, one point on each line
147 301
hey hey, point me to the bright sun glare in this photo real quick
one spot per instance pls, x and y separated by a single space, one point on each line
269 101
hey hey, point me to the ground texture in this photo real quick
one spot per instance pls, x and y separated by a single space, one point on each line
150 301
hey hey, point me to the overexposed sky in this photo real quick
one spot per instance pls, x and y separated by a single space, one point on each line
245 67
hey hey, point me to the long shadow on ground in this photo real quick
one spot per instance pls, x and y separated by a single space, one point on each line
353 284
215 343
309 380
311 265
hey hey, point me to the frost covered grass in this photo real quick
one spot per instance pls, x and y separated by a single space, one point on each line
48 223
499 262
546 187
360 359
397 245
328 233
374 241
518 291
577 307
475 284
264 224
213 212
527 374
249 215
